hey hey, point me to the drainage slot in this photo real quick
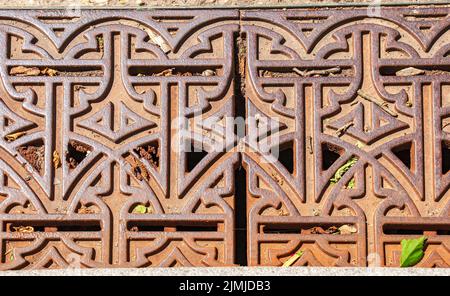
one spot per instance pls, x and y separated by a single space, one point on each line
240 232
151 226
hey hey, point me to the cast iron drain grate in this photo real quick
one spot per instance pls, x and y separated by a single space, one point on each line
116 151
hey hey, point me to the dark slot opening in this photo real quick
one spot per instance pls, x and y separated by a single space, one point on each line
54 226
428 70
445 151
403 152
330 154
193 158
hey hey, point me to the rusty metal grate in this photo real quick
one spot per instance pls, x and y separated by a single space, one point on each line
97 169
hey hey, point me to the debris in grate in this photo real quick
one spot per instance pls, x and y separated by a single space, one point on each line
324 72
56 159
100 43
181 72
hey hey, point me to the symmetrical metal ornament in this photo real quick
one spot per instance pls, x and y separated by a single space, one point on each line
96 167
338 81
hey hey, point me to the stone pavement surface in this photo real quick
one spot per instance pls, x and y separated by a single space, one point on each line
135 138
201 3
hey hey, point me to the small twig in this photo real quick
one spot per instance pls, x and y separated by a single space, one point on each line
340 131
382 105
212 132
324 72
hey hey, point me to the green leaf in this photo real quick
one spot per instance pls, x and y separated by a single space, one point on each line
343 169
140 209
412 251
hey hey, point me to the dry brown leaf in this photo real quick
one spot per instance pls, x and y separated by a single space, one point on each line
166 72
24 71
340 131
157 39
410 71
324 72
14 136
